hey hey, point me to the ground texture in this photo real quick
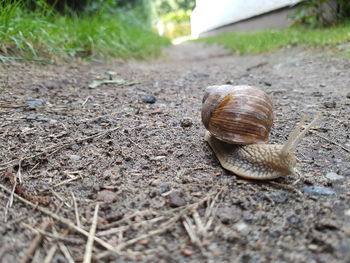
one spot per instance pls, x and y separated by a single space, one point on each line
136 148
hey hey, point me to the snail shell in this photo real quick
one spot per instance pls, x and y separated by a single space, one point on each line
237 114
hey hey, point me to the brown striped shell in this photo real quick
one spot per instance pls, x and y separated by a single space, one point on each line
237 114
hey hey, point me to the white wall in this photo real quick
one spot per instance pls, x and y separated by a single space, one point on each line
210 14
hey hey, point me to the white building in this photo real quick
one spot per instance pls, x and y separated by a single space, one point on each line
218 16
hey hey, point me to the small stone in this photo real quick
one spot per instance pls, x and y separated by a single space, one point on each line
114 216
178 154
186 252
35 102
348 95
242 228
317 94
158 158
164 188
106 196
326 224
34 117
278 196
334 176
275 234
330 104
317 190
228 214
31 117
143 242
201 75
346 172
266 83
213 246
158 105
175 200
313 247
157 111
293 220
186 122
347 212
53 121
43 119
344 247
75 157
148 98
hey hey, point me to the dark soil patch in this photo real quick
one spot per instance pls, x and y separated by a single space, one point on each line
138 149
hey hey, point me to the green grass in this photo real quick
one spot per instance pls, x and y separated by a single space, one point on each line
267 40
46 34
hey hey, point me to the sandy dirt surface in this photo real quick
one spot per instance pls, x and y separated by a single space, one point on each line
137 150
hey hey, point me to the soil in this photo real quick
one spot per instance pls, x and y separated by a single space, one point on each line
137 149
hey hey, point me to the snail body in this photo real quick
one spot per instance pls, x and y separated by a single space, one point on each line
252 160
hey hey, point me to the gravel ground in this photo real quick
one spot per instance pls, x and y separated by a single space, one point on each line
135 147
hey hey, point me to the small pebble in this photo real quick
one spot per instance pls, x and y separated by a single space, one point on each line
293 220
106 196
330 104
228 214
31 117
164 188
144 241
200 75
35 102
158 105
158 158
317 94
346 172
278 196
157 111
178 154
334 176
275 234
175 200
313 247
347 212
148 98
75 157
242 228
186 252
344 247
34 117
348 95
186 122
317 190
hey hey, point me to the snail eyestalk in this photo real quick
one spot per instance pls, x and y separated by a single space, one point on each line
297 135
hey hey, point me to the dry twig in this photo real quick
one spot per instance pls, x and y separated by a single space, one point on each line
50 254
166 225
77 218
36 242
66 252
44 200
90 241
63 221
51 150
330 141
56 236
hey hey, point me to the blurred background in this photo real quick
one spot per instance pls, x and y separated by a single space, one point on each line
140 28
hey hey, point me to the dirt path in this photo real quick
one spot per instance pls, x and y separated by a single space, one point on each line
163 196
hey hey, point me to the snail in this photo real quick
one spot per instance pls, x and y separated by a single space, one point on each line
238 120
